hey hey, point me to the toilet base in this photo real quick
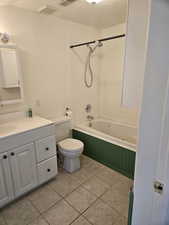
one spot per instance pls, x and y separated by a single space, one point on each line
71 164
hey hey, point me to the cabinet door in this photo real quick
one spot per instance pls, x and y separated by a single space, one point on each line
23 166
6 194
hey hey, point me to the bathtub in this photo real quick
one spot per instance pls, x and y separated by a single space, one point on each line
116 133
111 143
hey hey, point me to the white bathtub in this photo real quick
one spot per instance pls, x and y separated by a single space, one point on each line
116 133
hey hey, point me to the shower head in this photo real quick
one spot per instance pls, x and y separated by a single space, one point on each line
100 44
97 44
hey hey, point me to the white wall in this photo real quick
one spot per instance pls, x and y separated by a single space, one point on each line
111 76
52 73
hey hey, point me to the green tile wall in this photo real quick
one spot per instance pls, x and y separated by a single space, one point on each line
113 156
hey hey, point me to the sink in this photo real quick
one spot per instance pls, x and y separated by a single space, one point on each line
18 126
6 129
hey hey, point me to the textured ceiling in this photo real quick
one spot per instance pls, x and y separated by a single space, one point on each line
102 15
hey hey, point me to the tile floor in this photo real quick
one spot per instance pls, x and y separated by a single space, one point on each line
95 195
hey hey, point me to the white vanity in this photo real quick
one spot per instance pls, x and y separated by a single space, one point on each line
27 156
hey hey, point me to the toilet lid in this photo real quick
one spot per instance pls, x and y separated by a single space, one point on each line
71 144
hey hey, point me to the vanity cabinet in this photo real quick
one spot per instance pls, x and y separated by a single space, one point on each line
6 192
30 161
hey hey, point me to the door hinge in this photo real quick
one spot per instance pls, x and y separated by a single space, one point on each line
158 187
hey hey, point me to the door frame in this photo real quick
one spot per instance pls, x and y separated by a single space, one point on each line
152 160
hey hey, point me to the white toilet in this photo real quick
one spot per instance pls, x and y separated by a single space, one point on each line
71 149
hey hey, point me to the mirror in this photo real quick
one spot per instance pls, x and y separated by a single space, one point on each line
10 75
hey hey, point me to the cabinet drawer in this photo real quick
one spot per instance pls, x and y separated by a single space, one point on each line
47 170
45 148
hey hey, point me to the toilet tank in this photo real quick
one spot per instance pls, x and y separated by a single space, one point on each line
63 128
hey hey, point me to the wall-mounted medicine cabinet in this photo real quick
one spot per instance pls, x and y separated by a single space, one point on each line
11 90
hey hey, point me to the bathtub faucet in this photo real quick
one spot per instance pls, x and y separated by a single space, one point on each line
90 118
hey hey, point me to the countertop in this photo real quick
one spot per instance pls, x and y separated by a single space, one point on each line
22 125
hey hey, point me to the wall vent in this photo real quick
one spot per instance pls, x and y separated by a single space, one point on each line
47 10
67 2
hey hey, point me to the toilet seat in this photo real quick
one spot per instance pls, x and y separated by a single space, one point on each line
71 145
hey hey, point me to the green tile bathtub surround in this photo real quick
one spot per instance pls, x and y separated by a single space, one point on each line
111 155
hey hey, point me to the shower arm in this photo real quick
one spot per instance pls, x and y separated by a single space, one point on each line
100 40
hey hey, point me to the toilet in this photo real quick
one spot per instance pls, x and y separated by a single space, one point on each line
71 149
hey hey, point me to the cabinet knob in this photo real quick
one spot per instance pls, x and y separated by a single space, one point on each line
5 157
12 153
47 149
48 170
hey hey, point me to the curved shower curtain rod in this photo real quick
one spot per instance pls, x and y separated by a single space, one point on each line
100 40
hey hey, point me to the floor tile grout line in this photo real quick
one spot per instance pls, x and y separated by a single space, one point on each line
111 207
105 204
19 201
81 213
95 194
63 198
80 185
42 213
87 219
73 189
75 219
34 206
94 174
40 216
45 219
98 197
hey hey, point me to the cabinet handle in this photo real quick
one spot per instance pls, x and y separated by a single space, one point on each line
48 170
12 153
5 157
47 149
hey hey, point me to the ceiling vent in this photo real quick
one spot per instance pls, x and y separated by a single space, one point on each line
47 10
67 2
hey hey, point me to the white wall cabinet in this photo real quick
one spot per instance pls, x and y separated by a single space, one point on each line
30 161
9 68
6 192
